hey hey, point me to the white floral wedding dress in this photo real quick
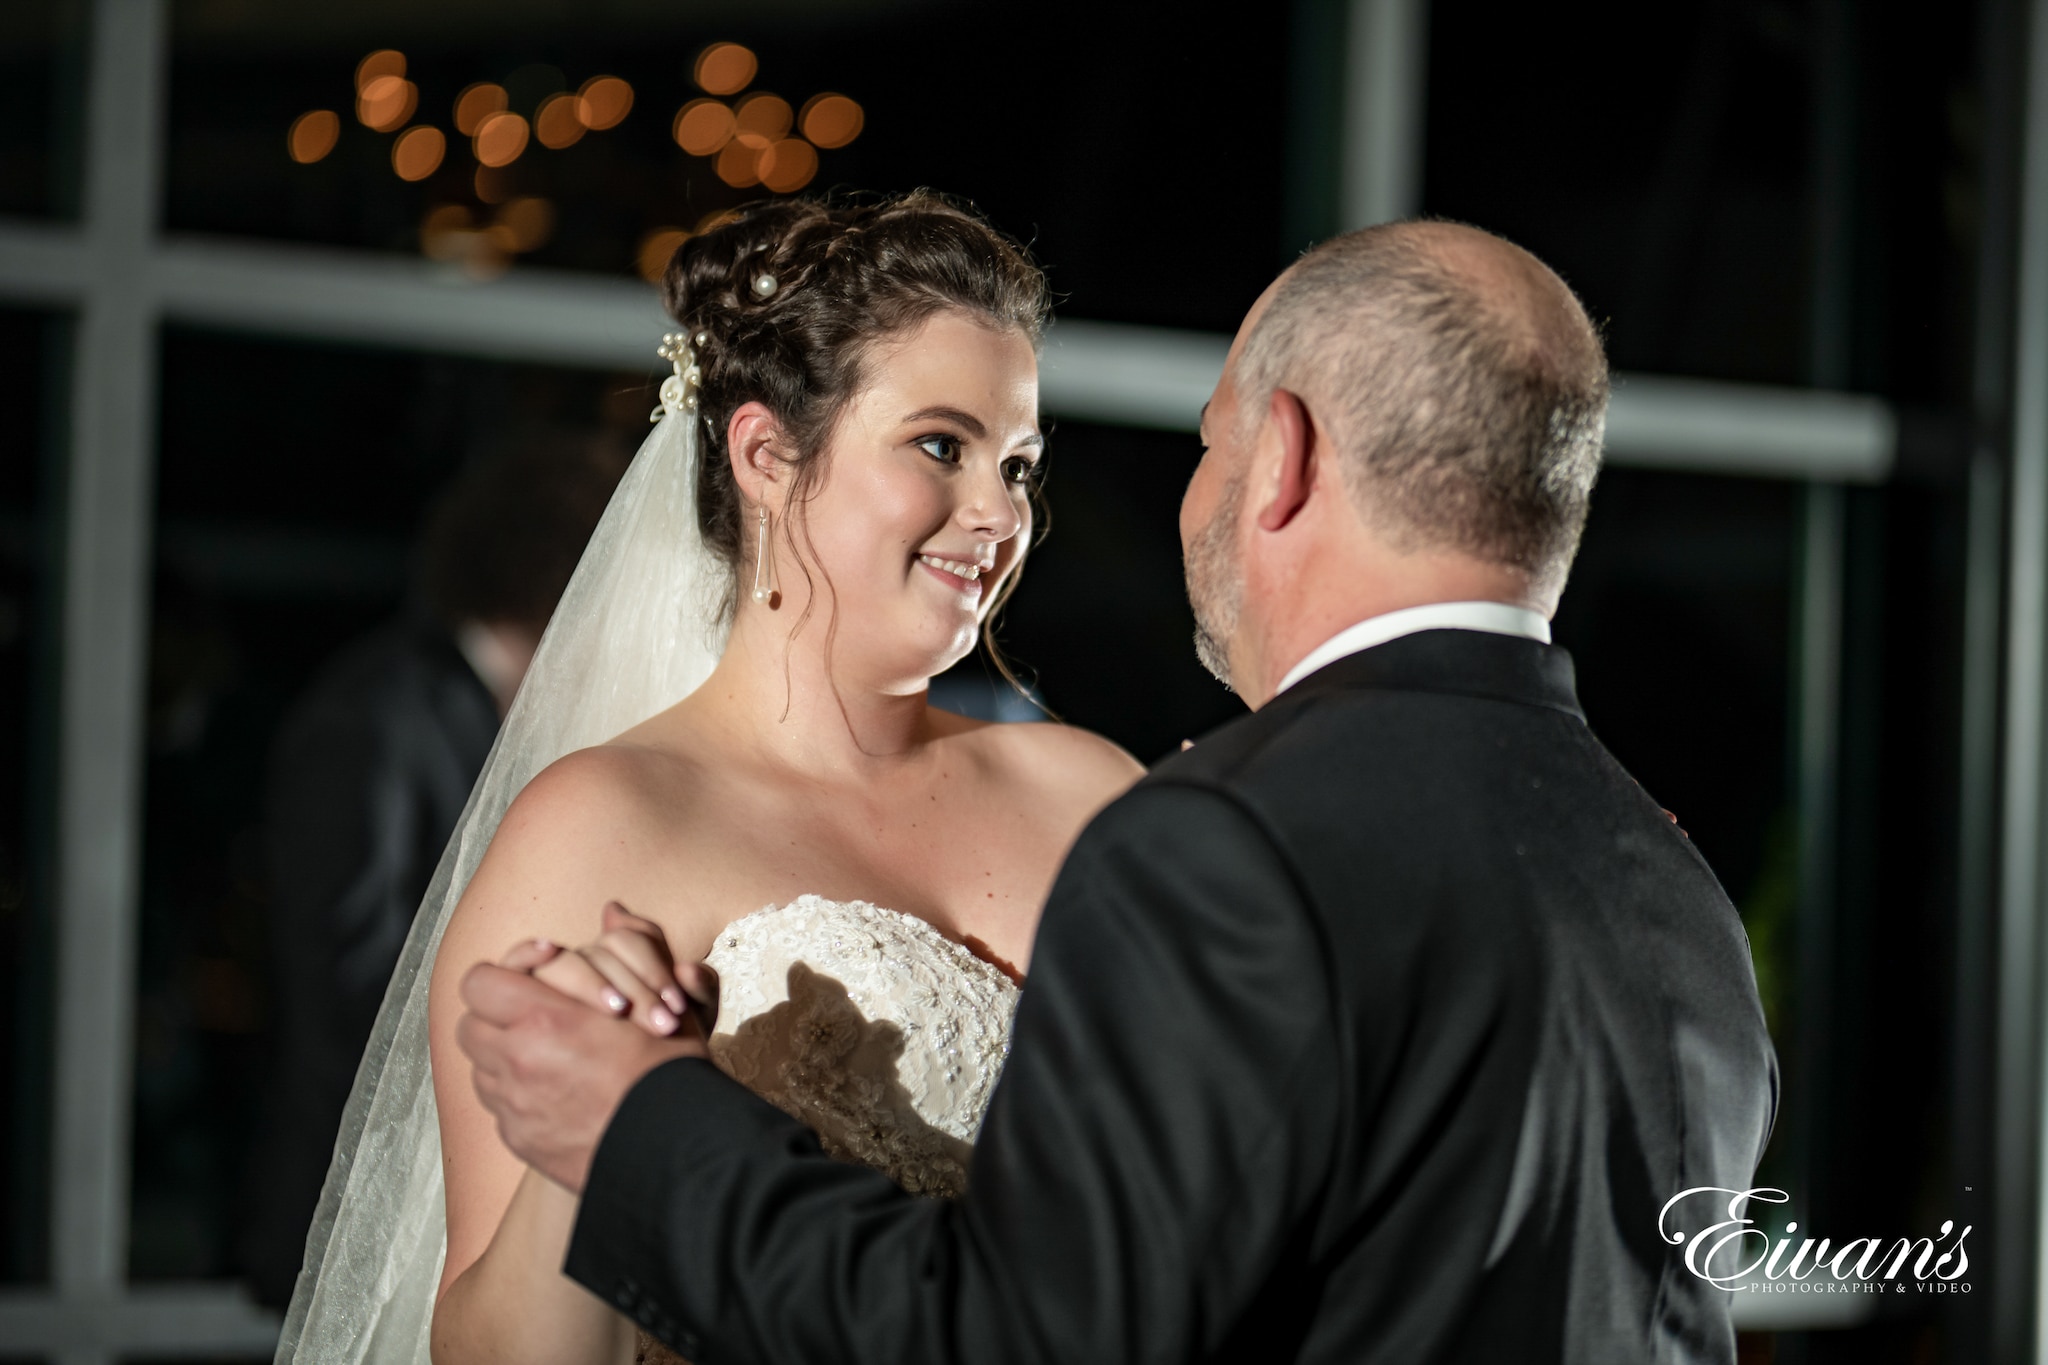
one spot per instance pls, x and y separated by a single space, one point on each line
870 1026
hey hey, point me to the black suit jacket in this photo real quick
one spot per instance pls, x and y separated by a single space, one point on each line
1377 1027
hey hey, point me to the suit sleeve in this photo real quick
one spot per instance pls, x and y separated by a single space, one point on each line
1152 1153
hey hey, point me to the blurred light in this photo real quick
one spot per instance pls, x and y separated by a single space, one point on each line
528 221
768 115
476 104
703 126
417 153
739 165
558 123
439 228
656 250
788 165
448 233
493 184
832 120
500 138
313 135
379 64
606 101
725 68
387 102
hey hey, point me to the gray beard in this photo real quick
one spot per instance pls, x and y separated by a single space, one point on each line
1215 587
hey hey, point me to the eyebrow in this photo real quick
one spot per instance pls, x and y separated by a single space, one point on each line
967 420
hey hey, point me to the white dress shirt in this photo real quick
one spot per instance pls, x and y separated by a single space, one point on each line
1496 618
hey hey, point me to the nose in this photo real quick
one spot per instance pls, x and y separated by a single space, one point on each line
990 507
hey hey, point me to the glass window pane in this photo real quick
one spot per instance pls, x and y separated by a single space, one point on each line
294 479
41 88
32 366
955 97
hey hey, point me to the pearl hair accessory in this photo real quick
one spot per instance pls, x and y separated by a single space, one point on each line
764 284
679 390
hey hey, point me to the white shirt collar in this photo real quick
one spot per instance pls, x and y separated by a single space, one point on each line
1496 618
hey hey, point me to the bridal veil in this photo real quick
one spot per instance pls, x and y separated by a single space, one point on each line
637 630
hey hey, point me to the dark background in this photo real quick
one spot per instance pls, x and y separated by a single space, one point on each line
1790 193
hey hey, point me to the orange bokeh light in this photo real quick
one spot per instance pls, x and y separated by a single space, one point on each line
606 101
448 233
558 123
528 222
387 102
313 135
739 165
832 120
788 165
725 68
656 250
386 62
500 138
417 153
476 104
768 115
703 126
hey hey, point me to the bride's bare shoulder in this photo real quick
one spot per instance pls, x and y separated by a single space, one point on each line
602 793
1078 764
600 824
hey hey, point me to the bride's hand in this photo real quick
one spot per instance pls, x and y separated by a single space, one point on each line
629 971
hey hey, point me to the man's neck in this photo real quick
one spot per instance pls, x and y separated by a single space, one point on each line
1293 629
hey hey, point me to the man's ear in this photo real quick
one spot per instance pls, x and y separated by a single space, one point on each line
758 449
1292 477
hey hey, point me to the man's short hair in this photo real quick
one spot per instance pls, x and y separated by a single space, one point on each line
1468 404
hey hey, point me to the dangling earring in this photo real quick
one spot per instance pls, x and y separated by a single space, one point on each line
764 567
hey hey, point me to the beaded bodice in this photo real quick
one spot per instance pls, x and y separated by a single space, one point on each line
871 1026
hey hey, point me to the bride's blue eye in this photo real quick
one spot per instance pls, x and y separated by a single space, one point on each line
945 448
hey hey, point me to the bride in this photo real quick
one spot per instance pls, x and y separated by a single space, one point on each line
840 486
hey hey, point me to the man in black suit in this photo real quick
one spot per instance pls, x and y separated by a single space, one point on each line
1377 1027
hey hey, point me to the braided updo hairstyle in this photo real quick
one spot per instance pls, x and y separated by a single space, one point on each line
847 276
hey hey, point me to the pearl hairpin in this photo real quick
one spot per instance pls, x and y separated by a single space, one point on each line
679 390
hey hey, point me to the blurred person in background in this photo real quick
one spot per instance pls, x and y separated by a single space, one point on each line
368 775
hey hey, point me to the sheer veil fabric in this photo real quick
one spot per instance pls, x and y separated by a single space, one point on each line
637 630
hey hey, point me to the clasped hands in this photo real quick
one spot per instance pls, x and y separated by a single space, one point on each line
557 1036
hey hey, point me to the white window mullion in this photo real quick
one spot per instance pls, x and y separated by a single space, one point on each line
106 566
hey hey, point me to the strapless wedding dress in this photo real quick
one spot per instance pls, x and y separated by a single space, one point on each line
870 1026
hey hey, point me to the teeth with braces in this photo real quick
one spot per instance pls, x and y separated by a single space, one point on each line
970 572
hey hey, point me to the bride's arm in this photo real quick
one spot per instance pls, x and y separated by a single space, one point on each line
556 860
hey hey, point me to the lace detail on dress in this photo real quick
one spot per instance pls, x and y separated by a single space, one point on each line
869 1025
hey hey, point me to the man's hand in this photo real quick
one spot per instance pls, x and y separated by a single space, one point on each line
551 1069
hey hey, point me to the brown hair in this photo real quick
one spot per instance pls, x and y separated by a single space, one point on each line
848 275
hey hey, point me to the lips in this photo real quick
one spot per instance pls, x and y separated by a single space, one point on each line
962 575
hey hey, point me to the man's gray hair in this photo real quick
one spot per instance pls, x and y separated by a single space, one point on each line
1468 404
